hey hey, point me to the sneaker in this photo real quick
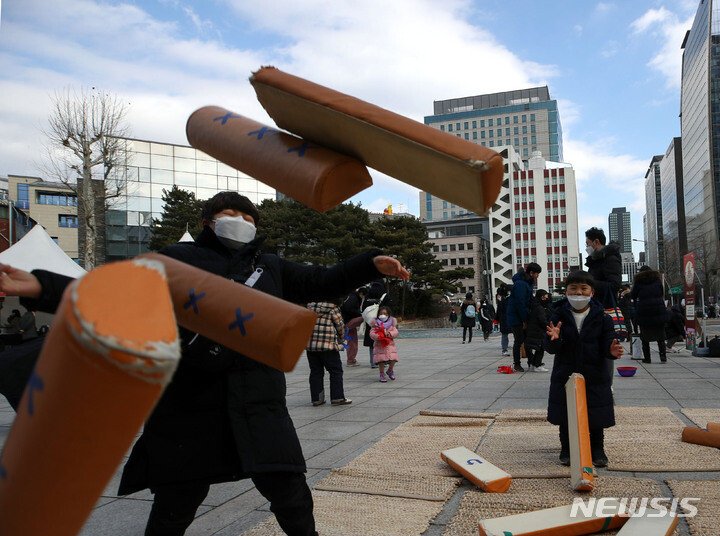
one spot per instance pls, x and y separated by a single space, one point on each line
531 368
541 369
463 342
341 402
353 364
599 459
564 457
383 378
318 402
505 353
391 374
518 368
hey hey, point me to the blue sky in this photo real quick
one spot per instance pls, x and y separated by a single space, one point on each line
613 66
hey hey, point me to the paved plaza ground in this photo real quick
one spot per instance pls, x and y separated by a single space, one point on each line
436 372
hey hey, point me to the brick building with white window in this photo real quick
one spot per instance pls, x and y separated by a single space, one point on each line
545 221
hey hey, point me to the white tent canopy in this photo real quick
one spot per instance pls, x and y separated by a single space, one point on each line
36 250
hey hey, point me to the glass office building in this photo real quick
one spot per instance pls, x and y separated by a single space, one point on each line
700 122
153 167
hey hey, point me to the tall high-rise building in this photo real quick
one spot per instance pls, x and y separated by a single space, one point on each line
700 130
527 119
619 226
673 211
654 216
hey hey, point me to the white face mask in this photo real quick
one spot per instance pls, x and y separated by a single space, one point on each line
579 302
383 317
589 250
234 231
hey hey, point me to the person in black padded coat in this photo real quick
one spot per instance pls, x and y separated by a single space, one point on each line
223 417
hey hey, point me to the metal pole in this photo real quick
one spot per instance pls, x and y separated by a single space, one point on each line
10 222
704 322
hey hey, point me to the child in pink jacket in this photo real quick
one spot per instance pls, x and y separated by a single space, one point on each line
384 330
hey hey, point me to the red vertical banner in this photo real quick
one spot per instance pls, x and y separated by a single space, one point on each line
689 283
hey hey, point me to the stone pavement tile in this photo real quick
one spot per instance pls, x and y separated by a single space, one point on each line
688 383
344 451
244 524
363 412
455 387
697 403
432 383
311 447
122 516
525 390
308 411
227 491
634 394
696 394
216 519
333 430
391 400
412 411
520 403
464 404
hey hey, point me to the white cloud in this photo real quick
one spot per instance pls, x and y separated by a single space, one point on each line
666 26
610 49
604 7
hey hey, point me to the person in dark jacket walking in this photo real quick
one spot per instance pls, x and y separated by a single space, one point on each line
675 327
535 333
223 416
519 307
650 311
487 314
582 338
604 264
452 318
468 314
501 317
627 308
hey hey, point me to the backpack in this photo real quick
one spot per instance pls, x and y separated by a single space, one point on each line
370 312
470 311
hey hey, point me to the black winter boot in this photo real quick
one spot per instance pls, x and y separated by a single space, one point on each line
564 447
597 447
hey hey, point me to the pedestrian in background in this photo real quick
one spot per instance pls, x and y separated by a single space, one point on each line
453 318
467 317
501 318
650 311
351 310
519 307
323 353
487 313
384 331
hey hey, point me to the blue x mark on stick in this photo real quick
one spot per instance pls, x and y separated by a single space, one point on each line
240 320
194 299
35 383
225 118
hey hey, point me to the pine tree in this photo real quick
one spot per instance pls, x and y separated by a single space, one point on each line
181 212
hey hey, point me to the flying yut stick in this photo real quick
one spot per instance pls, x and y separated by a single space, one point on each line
477 470
581 467
110 352
253 323
451 168
315 176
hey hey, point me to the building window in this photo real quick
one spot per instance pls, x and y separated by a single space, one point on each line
452 247
450 127
474 135
63 200
515 119
471 260
443 247
457 126
532 117
65 220
507 119
524 118
492 144
482 123
461 247
467 135
436 248
482 134
499 132
461 260
474 124
453 262
23 196
444 262
470 245
524 130
466 125
442 128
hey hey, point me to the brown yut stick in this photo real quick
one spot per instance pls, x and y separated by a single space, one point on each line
698 436
449 167
315 176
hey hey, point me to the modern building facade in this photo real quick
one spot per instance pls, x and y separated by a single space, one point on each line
673 211
700 130
545 220
463 243
51 204
629 267
654 216
527 119
619 228
153 167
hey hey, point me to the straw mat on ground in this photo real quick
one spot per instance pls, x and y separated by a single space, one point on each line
650 440
527 495
707 520
349 514
395 484
702 416
420 445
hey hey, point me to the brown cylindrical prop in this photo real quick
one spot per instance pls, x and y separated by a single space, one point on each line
258 325
313 175
713 427
112 349
698 436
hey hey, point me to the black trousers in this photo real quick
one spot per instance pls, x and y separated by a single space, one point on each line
518 340
319 362
535 356
290 499
466 330
661 349
597 439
